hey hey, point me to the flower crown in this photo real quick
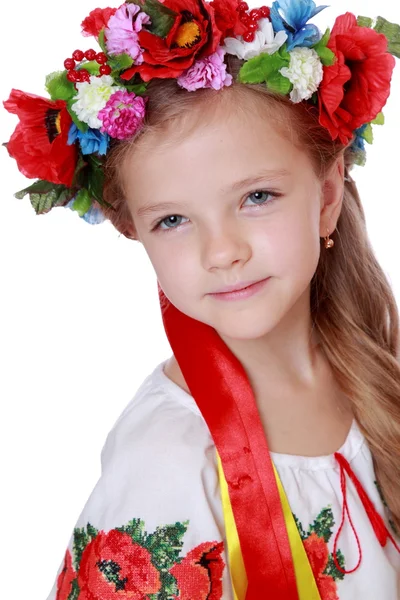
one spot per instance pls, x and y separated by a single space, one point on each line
101 95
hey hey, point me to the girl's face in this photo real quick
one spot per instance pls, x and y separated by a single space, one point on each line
233 203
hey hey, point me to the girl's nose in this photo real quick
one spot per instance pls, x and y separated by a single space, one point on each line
222 248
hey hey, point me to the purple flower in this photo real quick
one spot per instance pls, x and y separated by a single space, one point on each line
123 114
209 72
122 31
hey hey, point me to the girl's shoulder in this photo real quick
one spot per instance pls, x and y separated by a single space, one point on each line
155 511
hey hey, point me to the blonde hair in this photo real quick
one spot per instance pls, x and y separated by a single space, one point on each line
352 304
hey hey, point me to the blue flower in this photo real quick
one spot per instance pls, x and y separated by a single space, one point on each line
90 141
291 16
359 140
94 216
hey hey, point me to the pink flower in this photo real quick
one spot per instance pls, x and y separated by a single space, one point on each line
123 114
209 72
122 31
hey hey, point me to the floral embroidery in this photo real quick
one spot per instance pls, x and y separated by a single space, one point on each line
315 541
127 563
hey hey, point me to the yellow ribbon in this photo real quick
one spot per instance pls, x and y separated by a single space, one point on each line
306 584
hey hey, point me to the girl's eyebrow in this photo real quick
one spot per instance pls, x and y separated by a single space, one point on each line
148 209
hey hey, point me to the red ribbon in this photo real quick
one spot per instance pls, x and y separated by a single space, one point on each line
378 524
222 391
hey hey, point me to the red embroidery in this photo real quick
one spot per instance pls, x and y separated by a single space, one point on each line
65 578
113 566
318 555
200 572
128 563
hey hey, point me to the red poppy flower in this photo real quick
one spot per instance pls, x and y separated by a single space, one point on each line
65 578
227 18
199 575
96 21
318 555
355 89
39 142
114 567
193 35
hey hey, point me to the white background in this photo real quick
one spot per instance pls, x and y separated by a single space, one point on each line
79 315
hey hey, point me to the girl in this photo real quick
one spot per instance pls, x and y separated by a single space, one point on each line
263 458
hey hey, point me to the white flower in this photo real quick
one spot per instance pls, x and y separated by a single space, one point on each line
305 71
264 41
92 97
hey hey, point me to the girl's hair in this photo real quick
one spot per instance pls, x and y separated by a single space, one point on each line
353 307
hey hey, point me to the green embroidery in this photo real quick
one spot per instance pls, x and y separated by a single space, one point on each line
322 527
129 559
390 520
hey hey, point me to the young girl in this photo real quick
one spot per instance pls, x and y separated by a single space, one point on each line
263 458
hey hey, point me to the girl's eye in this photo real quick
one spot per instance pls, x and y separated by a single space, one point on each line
172 221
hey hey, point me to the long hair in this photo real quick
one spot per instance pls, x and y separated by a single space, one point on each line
352 304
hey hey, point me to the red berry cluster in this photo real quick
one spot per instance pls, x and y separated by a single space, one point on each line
79 75
250 20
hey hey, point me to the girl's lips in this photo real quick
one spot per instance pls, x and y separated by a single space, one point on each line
242 294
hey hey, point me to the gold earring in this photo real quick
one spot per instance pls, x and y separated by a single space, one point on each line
328 242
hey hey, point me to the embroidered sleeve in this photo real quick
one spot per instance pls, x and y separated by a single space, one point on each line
129 563
152 527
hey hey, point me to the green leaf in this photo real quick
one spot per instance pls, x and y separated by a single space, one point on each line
102 42
138 88
120 62
261 67
279 84
364 21
92 531
392 32
299 526
45 195
135 528
326 55
81 540
379 119
331 570
91 66
328 58
323 524
82 202
359 158
58 86
80 125
325 38
162 17
368 134
95 180
165 545
75 590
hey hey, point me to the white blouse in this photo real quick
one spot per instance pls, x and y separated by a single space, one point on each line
153 527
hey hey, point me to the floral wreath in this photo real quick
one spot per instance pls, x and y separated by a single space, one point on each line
101 95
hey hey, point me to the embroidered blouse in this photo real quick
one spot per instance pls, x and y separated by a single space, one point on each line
153 526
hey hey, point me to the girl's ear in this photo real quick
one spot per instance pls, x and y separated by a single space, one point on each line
332 196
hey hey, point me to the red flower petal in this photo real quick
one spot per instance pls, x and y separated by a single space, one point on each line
162 58
96 21
227 18
114 567
355 89
65 578
317 552
39 142
199 575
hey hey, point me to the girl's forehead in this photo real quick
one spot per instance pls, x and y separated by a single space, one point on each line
226 145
